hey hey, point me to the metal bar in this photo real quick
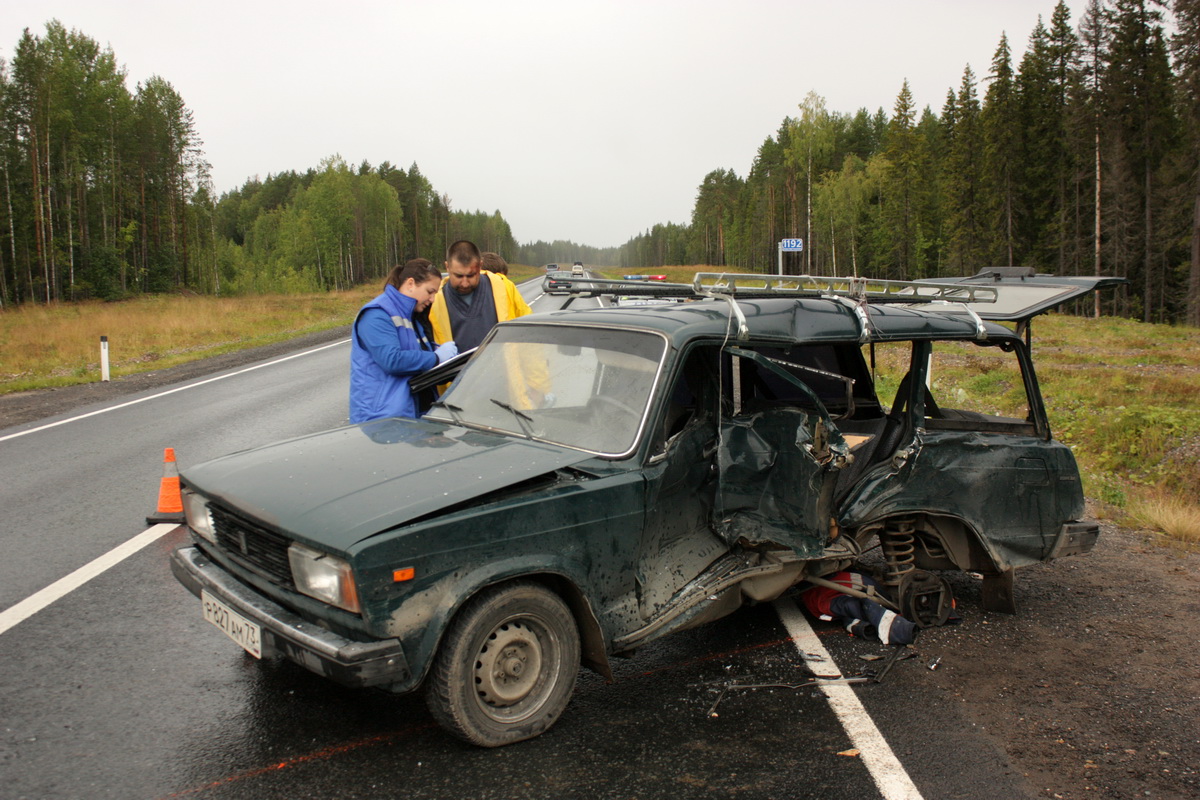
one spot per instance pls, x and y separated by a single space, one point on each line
752 286
877 598
877 291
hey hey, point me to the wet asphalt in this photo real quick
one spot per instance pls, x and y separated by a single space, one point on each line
121 690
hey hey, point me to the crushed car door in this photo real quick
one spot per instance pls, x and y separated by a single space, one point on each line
778 462
678 541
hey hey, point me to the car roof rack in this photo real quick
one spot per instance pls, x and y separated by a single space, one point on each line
853 293
867 290
751 286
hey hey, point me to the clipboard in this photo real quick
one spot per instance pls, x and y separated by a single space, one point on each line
442 373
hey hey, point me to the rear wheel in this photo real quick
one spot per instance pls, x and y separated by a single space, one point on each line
506 667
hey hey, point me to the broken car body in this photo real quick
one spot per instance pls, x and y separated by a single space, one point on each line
596 479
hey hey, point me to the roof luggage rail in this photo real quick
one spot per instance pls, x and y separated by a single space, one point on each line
869 290
748 286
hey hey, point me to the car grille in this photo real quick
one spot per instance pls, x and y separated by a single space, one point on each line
253 546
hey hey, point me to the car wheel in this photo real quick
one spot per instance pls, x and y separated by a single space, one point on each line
506 667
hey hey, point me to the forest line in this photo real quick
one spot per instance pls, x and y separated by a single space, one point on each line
1082 156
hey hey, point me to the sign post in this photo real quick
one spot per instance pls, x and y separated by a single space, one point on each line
788 246
103 358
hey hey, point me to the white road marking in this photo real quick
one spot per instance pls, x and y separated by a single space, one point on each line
171 391
886 770
65 585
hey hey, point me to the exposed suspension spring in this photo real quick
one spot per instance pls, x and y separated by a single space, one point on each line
898 541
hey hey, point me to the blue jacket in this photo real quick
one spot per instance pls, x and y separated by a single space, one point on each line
386 349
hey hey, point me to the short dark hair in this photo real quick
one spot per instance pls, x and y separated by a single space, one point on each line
419 269
463 252
494 262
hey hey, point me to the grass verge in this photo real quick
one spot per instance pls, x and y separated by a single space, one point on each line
59 345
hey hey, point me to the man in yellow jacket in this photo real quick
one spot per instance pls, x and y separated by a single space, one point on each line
472 300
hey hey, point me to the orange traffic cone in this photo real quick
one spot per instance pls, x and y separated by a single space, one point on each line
170 501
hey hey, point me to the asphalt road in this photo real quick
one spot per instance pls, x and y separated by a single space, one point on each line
119 689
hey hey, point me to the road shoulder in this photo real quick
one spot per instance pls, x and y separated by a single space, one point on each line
20 408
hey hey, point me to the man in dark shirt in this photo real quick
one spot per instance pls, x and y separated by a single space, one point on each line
472 300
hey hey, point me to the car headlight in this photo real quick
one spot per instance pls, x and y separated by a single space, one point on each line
324 577
195 510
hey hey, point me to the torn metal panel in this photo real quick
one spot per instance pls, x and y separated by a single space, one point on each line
997 484
772 486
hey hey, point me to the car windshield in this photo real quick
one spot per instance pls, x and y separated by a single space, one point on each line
582 387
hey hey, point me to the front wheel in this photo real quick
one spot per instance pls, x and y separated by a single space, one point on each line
506 667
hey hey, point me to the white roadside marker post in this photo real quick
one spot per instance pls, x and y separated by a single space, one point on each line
104 358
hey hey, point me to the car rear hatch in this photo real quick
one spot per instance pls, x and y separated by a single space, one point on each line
1022 294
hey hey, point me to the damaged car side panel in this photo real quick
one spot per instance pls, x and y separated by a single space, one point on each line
1000 488
1011 485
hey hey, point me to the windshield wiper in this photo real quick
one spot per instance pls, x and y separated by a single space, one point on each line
453 409
523 419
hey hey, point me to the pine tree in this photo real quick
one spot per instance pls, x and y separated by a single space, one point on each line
1085 119
1138 95
1042 82
966 248
1002 129
1186 45
900 203
1063 52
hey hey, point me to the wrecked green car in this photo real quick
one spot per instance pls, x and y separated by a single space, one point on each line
595 479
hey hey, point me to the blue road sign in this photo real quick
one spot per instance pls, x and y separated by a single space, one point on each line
791 245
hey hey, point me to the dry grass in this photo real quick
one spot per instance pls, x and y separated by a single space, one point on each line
59 345
1171 514
523 272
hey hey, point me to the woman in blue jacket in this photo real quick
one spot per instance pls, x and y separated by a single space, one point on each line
387 348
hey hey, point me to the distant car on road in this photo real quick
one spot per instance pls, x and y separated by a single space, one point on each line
557 282
577 268
551 267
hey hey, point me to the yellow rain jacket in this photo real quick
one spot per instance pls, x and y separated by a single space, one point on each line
524 373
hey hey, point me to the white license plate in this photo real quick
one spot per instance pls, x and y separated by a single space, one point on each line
234 625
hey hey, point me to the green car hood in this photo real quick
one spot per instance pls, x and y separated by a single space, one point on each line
335 488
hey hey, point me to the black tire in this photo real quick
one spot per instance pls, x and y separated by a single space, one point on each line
506 666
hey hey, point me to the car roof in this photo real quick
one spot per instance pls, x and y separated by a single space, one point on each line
779 319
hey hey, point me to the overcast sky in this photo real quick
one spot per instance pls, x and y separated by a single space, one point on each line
588 121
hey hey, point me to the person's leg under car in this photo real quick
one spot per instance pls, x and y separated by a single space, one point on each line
870 620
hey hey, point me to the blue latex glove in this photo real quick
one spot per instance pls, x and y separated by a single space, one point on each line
446 351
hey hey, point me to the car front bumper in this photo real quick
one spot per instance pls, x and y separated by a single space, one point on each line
348 662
